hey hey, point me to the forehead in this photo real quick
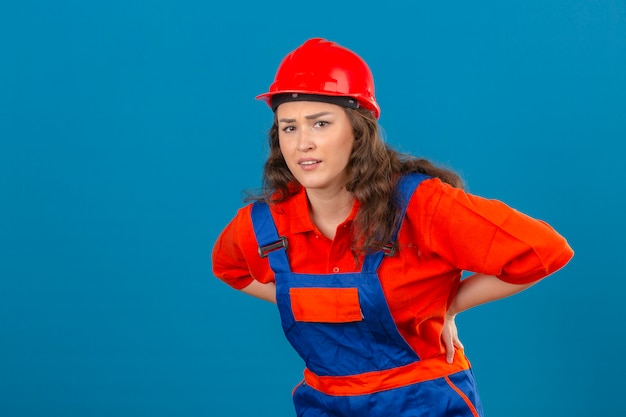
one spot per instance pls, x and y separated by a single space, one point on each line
292 109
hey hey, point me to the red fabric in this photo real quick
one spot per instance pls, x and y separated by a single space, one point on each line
326 305
377 381
445 232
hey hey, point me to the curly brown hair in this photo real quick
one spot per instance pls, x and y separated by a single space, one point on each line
373 171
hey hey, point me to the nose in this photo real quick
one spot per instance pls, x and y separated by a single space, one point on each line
305 141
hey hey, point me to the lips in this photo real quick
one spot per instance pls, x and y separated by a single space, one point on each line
308 162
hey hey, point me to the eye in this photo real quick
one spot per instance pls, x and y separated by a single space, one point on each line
321 123
288 129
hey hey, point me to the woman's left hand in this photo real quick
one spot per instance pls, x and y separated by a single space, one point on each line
450 337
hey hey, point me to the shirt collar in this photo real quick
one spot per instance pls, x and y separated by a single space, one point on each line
298 208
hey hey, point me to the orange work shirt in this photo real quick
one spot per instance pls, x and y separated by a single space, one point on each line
445 231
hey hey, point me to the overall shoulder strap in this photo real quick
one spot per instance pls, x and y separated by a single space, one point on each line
271 245
406 187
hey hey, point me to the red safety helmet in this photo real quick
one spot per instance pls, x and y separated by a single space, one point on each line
321 67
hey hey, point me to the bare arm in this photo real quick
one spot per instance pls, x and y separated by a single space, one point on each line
480 289
473 291
265 292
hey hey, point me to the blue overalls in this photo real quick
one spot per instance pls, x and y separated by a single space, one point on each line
357 362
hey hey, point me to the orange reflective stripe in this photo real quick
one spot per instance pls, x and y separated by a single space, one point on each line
371 382
325 305
462 395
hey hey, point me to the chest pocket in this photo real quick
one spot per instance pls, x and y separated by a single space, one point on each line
325 305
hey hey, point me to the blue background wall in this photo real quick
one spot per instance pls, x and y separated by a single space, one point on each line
128 130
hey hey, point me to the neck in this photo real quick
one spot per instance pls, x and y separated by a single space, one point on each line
329 209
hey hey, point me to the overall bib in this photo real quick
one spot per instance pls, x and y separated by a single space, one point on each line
357 362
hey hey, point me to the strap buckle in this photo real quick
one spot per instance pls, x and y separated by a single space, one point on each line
279 244
389 249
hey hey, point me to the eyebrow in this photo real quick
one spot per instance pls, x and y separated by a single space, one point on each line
308 117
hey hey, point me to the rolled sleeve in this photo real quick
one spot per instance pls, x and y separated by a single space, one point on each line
482 235
228 260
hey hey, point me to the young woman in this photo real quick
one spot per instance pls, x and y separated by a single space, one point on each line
363 248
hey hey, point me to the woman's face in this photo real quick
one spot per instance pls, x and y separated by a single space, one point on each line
316 141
